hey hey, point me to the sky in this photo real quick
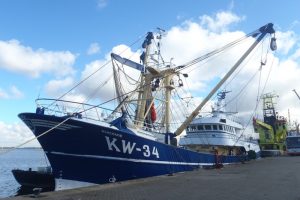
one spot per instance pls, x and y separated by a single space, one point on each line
46 47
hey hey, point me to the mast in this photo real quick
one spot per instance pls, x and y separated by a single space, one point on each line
169 87
144 92
263 31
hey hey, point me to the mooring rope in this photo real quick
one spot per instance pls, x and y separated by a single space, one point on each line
44 133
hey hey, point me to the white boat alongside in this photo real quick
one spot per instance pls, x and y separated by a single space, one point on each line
293 143
220 131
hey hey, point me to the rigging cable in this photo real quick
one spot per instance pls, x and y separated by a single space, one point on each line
203 139
227 46
93 73
208 59
34 138
198 59
187 65
95 91
256 106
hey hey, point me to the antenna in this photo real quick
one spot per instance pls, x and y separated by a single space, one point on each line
289 116
159 37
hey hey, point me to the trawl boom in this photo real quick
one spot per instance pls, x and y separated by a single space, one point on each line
128 62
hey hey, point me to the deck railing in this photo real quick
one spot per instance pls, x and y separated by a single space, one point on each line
80 110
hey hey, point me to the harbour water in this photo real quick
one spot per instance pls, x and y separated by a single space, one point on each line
18 159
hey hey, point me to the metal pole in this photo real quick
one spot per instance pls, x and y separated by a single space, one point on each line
197 110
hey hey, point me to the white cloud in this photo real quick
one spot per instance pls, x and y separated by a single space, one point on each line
93 49
104 78
231 5
191 40
283 78
286 41
17 58
56 87
12 93
220 22
295 55
179 17
16 93
15 134
184 43
102 3
3 94
294 24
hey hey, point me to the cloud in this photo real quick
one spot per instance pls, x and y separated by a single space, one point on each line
231 5
104 78
190 40
184 43
220 22
179 17
3 94
12 93
56 87
286 41
280 76
294 24
101 3
93 49
16 93
21 59
14 134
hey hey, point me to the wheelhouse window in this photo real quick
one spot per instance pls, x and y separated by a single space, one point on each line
207 127
215 127
221 127
193 128
200 127
293 142
223 120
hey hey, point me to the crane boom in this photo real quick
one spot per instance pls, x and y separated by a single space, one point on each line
268 28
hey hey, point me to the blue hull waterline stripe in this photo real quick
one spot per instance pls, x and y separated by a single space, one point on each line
133 160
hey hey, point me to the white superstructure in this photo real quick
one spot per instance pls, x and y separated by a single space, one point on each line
293 143
219 130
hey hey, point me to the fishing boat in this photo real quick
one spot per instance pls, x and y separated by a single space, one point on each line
220 131
40 178
293 143
293 137
272 130
86 147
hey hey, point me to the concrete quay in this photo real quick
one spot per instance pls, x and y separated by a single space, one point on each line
267 178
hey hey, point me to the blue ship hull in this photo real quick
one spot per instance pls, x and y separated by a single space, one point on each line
87 152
